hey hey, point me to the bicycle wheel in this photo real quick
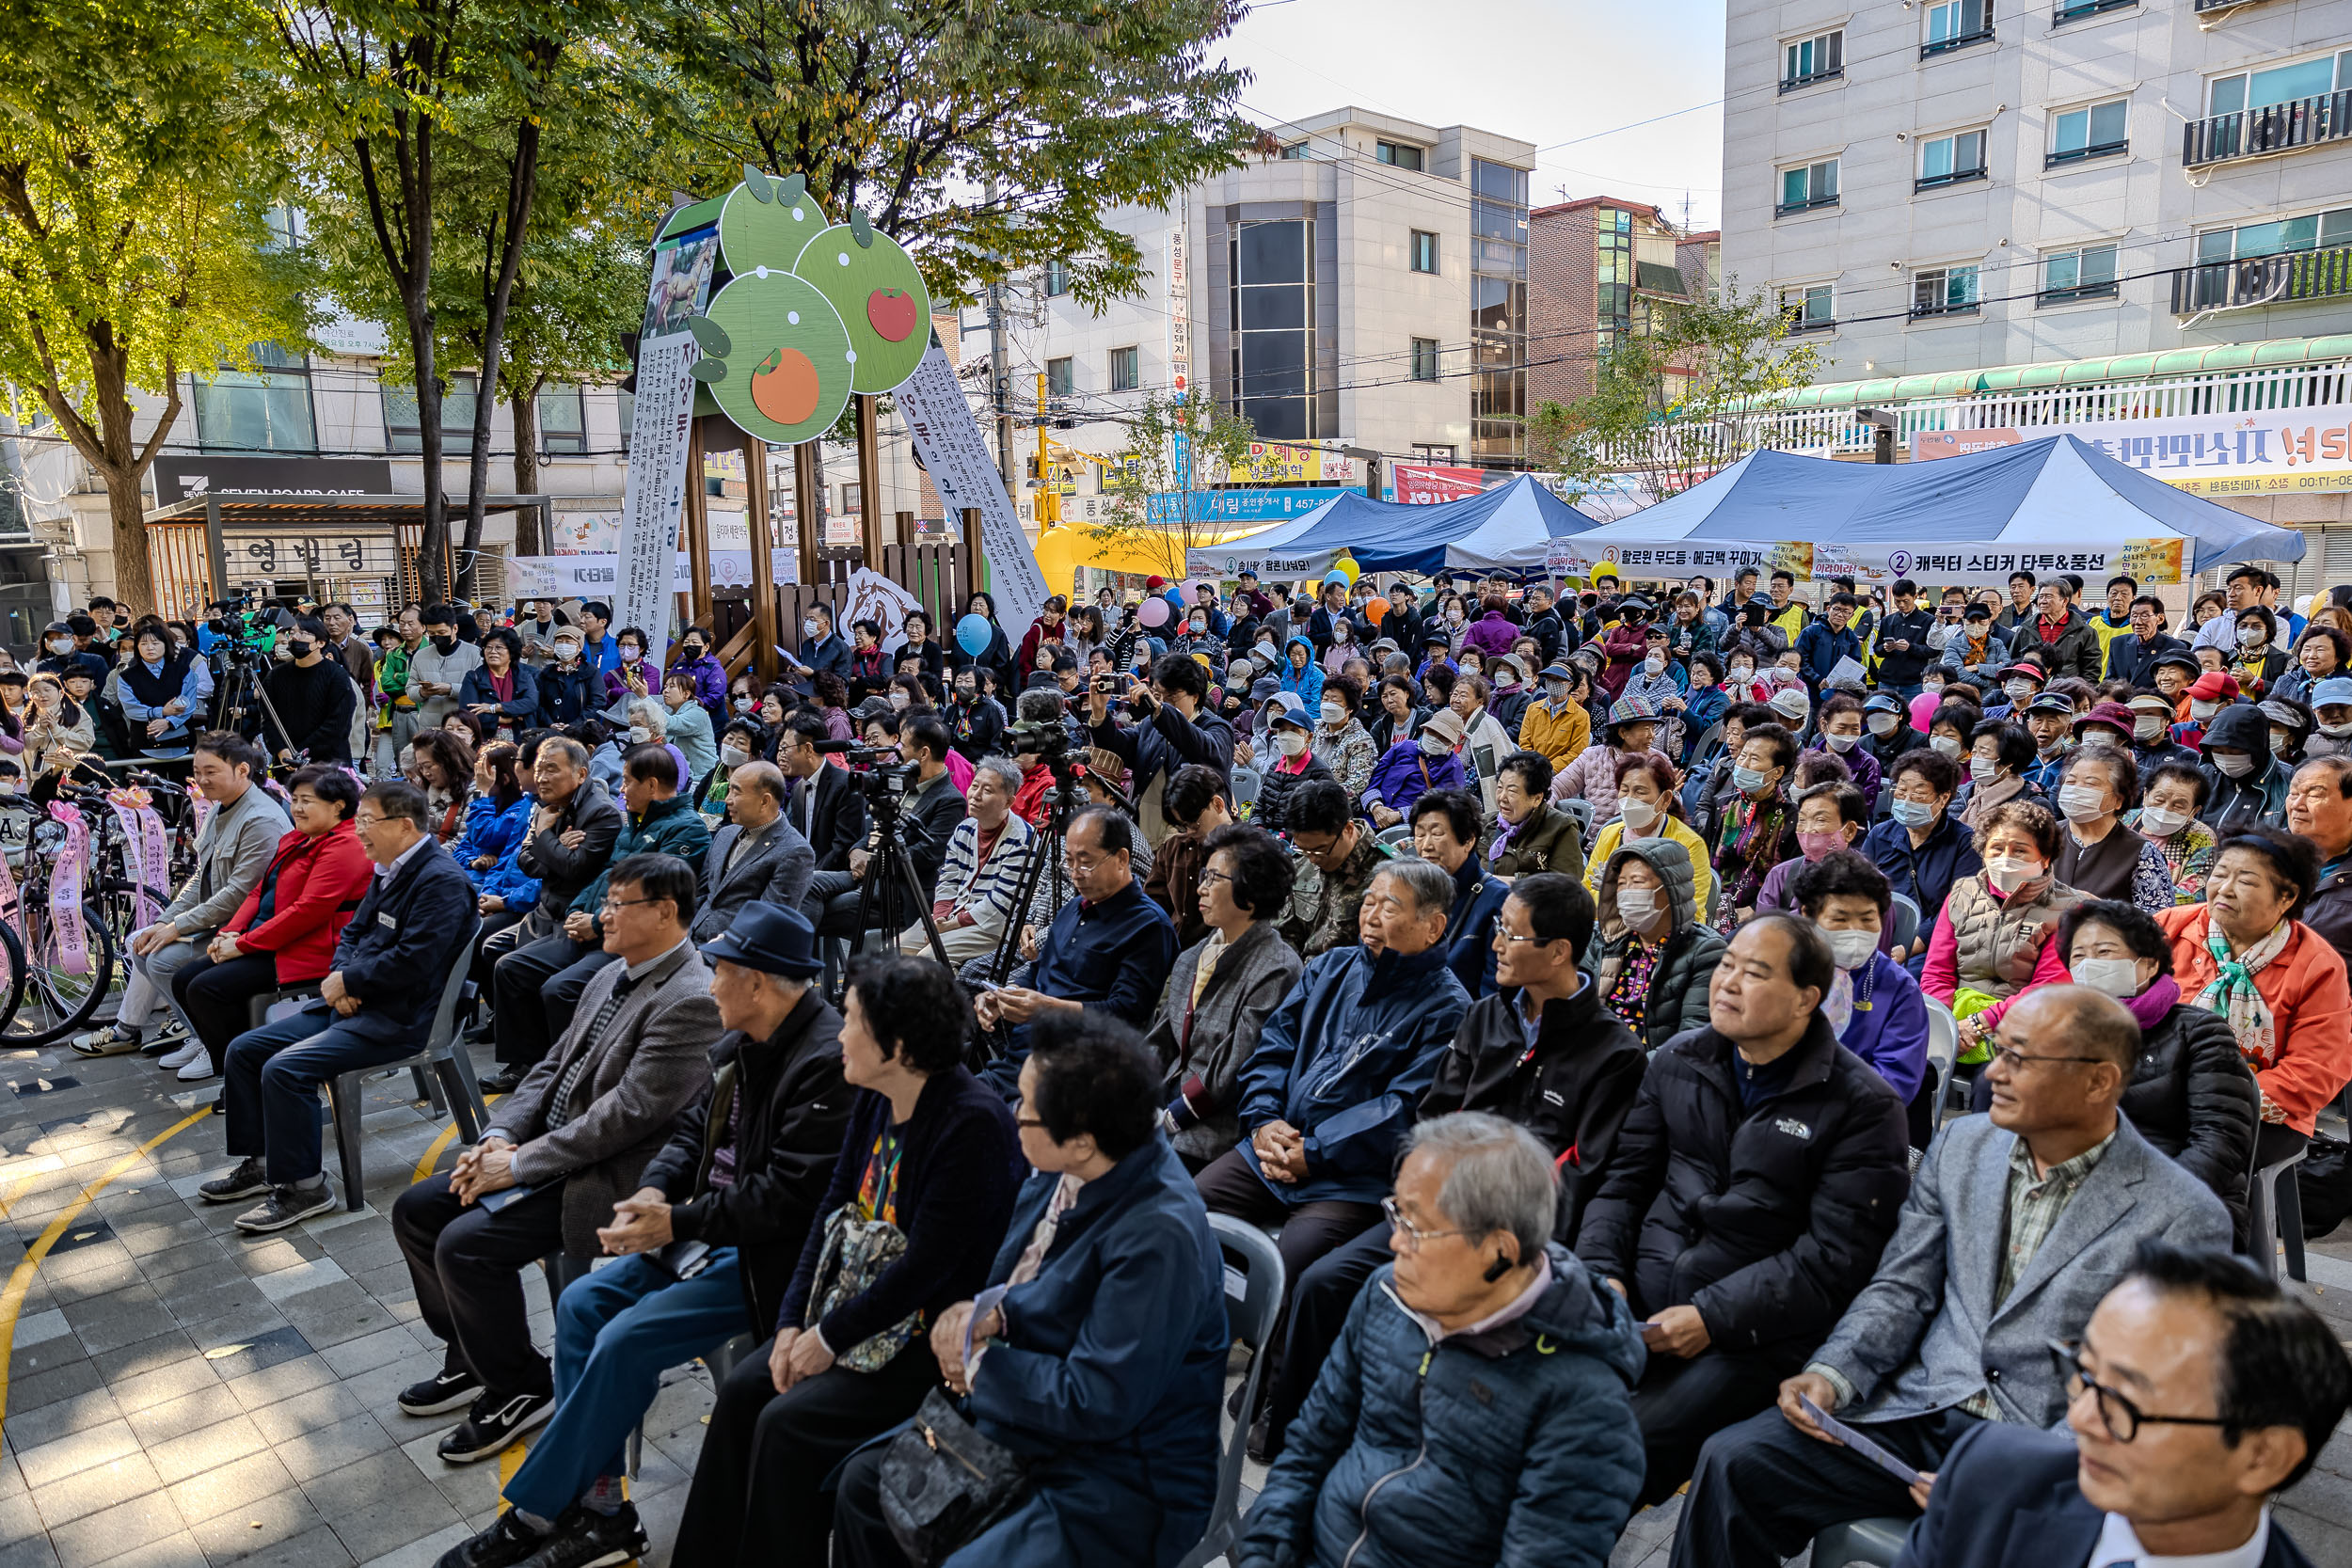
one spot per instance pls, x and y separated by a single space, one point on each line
57 1001
12 996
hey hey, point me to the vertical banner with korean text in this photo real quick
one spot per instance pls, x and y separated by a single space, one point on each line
948 441
658 439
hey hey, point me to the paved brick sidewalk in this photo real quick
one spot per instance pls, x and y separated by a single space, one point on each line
179 1394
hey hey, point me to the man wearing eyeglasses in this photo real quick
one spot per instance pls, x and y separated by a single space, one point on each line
2173 1455
2017 1222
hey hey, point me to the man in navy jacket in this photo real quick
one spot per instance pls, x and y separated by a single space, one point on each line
1820 646
376 1005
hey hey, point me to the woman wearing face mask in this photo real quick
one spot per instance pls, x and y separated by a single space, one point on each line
649 725
1839 734
2257 662
2191 1094
2170 797
1998 756
1652 954
1754 822
1830 817
1288 762
1646 810
2244 955
1949 728
1741 683
501 688
631 678
742 741
2330 702
1702 708
2244 783
1623 647
1592 777
693 657
1341 743
2098 856
1994 937
1919 846
1300 675
568 689
1413 768
1873 1004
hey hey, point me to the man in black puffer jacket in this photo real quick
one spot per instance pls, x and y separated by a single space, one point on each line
1754 1185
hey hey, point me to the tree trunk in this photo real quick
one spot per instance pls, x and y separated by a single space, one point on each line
120 461
522 191
526 411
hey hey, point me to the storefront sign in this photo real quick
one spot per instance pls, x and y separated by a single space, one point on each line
1239 508
1272 464
2282 451
180 478
1429 484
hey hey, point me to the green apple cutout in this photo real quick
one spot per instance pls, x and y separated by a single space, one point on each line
878 291
774 356
766 222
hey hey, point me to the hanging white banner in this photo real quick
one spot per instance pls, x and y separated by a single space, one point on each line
947 440
657 438
585 577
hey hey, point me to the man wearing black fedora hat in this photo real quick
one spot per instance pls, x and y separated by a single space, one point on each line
707 1243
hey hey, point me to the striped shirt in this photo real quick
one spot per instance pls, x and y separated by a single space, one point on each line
984 889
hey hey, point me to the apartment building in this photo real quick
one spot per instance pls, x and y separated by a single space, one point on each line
1364 284
1595 268
1955 196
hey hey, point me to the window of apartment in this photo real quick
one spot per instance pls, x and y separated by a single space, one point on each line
1949 160
1954 22
1424 452
1424 359
265 412
852 500
401 430
1809 307
1125 374
2311 231
2279 84
1424 250
1944 291
1060 382
563 423
1272 315
1814 59
1057 280
2097 131
1403 154
1498 358
1296 152
2077 272
1807 185
2074 10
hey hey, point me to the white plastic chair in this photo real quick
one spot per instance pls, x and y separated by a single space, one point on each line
1943 1051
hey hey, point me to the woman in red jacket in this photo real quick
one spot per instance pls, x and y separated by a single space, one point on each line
284 933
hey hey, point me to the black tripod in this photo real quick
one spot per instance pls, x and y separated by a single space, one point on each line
242 689
1061 801
890 876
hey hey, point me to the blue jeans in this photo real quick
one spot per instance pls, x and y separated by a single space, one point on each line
273 1075
614 1333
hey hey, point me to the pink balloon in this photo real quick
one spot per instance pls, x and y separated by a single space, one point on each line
1154 612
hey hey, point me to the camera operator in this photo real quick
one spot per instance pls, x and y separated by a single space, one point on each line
929 807
1177 727
823 802
311 700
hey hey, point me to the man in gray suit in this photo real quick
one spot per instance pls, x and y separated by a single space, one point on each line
757 857
566 1146
2017 1223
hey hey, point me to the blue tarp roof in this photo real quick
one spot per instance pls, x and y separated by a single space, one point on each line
1505 528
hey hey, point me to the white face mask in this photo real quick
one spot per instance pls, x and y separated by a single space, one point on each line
1655 664
1882 724
1558 692
743 704
2335 732
2148 731
2018 690
2280 743
811 626
1981 769
1638 814
2197 710
2081 802
2250 637
1334 714
61 645
1637 906
639 735
1852 949
733 756
1435 745
2158 823
1841 742
1744 671
1947 744
2236 764
567 651
2116 977
2008 873
1290 742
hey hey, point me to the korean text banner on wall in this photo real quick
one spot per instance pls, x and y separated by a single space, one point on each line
2283 451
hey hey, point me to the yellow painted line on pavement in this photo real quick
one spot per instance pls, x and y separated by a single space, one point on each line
21 1281
440 1146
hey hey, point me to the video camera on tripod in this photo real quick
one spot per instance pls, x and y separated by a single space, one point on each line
875 769
244 632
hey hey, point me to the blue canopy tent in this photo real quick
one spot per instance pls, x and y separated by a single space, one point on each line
1506 529
2059 505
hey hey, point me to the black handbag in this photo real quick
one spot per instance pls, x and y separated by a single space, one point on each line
943 1483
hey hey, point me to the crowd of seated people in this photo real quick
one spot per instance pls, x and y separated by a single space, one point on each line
1612 1144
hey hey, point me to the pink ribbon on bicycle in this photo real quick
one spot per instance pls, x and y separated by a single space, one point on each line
9 901
148 846
65 891
204 809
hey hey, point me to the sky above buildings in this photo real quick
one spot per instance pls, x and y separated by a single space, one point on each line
1576 77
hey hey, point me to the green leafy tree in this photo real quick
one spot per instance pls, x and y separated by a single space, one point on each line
1178 450
1058 110
1682 401
135 179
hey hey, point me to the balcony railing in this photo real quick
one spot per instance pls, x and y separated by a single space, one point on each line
2264 280
2076 294
1946 308
1944 46
2074 10
1790 83
1957 177
2223 5
2084 154
2271 130
1789 209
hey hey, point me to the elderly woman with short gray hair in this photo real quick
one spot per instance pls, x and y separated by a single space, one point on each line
987 853
1483 1383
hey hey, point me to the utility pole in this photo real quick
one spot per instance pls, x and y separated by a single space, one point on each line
999 374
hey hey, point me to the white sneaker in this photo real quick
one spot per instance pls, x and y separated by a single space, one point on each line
199 1067
181 1055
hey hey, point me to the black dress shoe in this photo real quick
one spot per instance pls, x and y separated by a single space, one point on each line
506 1543
494 1423
506 1079
585 1539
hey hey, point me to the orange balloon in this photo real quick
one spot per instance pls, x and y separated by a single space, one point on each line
1377 610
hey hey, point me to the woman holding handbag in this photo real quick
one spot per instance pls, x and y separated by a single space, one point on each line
920 1197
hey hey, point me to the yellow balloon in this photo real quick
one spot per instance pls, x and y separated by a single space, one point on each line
1346 566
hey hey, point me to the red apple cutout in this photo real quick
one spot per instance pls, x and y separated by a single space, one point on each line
892 313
